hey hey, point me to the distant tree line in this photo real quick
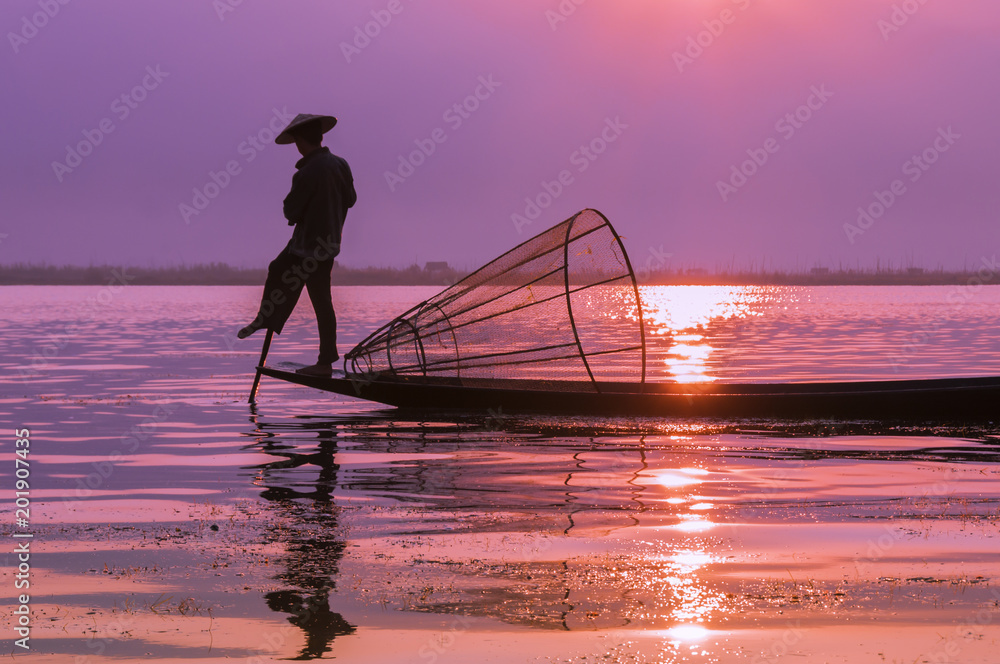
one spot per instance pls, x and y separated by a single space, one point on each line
820 277
217 274
441 274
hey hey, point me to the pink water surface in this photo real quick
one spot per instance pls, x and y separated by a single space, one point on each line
172 522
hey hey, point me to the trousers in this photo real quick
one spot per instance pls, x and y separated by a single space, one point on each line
286 276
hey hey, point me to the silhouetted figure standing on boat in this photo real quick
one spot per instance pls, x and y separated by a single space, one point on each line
322 191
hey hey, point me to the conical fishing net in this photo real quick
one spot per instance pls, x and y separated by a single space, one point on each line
562 307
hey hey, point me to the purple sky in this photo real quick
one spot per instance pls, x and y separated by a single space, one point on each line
680 121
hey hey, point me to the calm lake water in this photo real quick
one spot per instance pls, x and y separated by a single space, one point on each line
173 523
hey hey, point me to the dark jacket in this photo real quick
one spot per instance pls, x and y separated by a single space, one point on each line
322 191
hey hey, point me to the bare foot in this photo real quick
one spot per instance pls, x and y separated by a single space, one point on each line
322 370
248 330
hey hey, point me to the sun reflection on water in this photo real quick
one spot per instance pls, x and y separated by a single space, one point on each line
677 477
687 633
677 320
693 523
692 601
679 593
691 560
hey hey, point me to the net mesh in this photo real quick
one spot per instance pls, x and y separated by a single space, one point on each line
519 317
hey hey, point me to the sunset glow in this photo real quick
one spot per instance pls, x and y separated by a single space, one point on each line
648 331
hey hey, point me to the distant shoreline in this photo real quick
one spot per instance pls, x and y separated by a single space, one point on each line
219 274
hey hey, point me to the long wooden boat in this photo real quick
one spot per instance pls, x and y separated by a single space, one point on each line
944 399
556 325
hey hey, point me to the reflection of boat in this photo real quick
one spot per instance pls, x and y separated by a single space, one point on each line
519 335
423 475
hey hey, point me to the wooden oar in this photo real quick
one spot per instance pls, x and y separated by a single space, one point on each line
263 358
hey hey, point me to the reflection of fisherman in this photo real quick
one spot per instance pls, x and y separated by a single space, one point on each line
314 545
322 191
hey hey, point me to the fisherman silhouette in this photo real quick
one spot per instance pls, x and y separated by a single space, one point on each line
322 191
